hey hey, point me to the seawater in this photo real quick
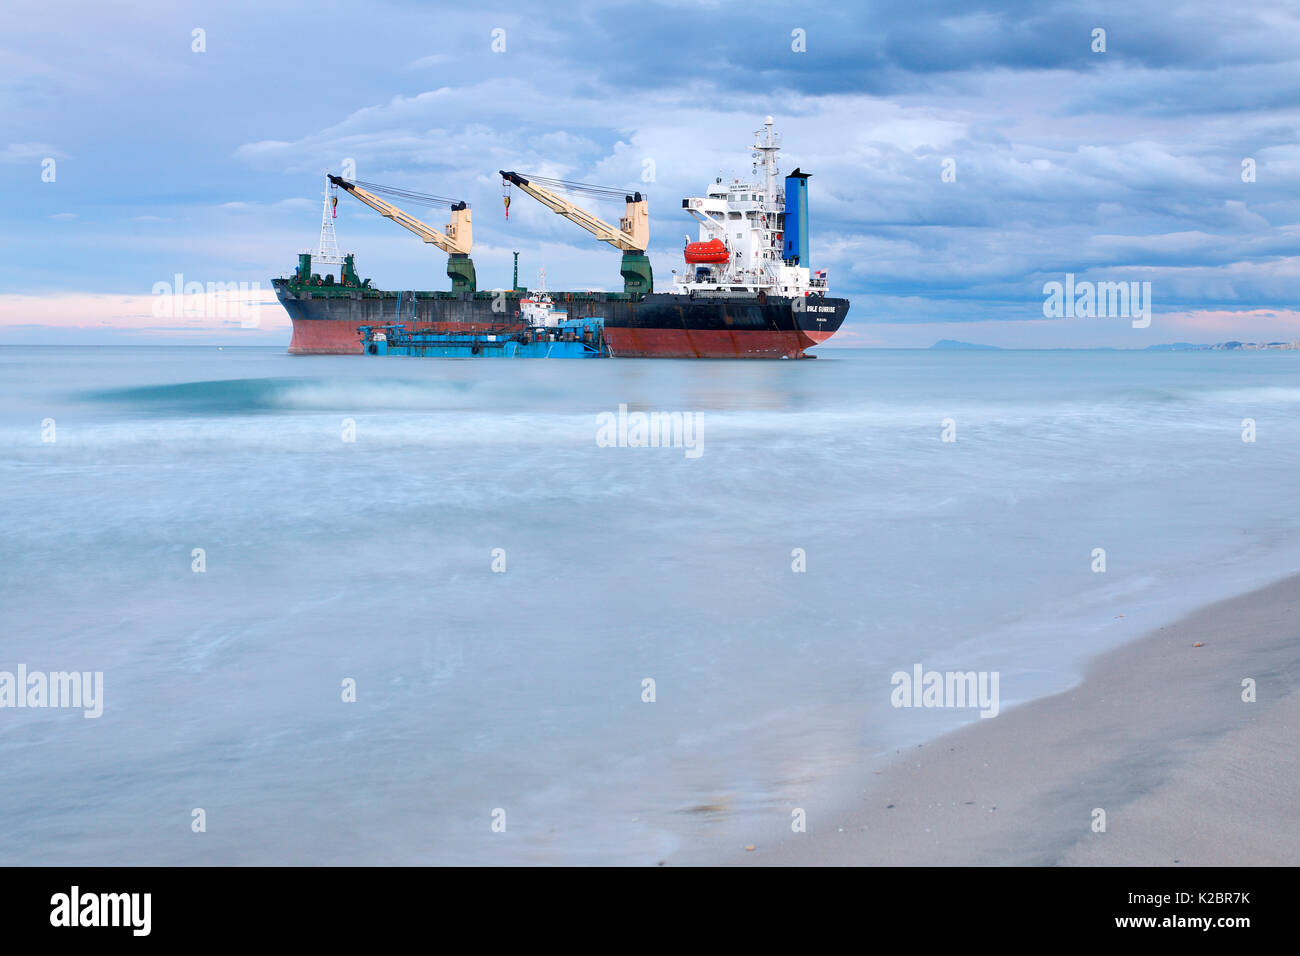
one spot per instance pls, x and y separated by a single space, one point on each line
371 560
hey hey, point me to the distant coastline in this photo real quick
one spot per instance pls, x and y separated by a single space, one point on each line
1224 347
1232 346
954 344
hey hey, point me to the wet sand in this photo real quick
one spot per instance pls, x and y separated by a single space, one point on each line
1157 735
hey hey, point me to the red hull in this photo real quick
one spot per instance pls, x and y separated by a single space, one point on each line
705 343
340 337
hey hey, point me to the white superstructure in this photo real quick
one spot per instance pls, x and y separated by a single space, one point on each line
539 308
747 219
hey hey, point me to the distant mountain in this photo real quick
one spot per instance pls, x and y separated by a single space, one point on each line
1232 346
954 344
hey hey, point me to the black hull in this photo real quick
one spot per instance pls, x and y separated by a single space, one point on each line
656 325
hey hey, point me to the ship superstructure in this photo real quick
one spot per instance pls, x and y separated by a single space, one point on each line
539 308
753 236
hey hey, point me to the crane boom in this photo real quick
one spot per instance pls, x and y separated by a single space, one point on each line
632 235
457 241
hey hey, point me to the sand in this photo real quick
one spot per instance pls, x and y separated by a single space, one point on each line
1157 735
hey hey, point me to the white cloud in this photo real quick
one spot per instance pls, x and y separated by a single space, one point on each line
30 152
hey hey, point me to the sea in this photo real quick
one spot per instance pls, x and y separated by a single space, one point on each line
388 610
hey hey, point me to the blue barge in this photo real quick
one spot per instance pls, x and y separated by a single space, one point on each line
565 338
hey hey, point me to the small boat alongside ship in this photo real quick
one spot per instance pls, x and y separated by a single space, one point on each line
747 290
548 333
569 338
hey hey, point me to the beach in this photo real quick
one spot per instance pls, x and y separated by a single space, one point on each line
1157 735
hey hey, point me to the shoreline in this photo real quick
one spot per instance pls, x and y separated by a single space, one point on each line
1156 735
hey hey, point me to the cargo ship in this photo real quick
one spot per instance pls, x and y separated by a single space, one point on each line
747 290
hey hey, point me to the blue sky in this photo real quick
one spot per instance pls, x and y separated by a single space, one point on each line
1119 165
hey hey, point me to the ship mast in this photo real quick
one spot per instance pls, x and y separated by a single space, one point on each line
765 150
329 244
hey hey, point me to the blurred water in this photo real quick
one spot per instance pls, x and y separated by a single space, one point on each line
371 560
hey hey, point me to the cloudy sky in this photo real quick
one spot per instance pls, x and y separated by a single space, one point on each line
1122 165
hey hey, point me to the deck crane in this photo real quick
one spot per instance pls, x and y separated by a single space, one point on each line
457 241
632 235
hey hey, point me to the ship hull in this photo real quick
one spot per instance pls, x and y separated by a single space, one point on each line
658 325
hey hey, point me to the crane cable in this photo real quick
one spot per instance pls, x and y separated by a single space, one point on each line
407 195
586 189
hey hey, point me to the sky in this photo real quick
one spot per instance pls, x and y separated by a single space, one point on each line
963 154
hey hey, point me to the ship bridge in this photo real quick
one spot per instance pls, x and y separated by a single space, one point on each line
753 236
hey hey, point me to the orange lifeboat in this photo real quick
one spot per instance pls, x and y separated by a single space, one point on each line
707 252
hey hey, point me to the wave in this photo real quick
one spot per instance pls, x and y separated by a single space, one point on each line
253 395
